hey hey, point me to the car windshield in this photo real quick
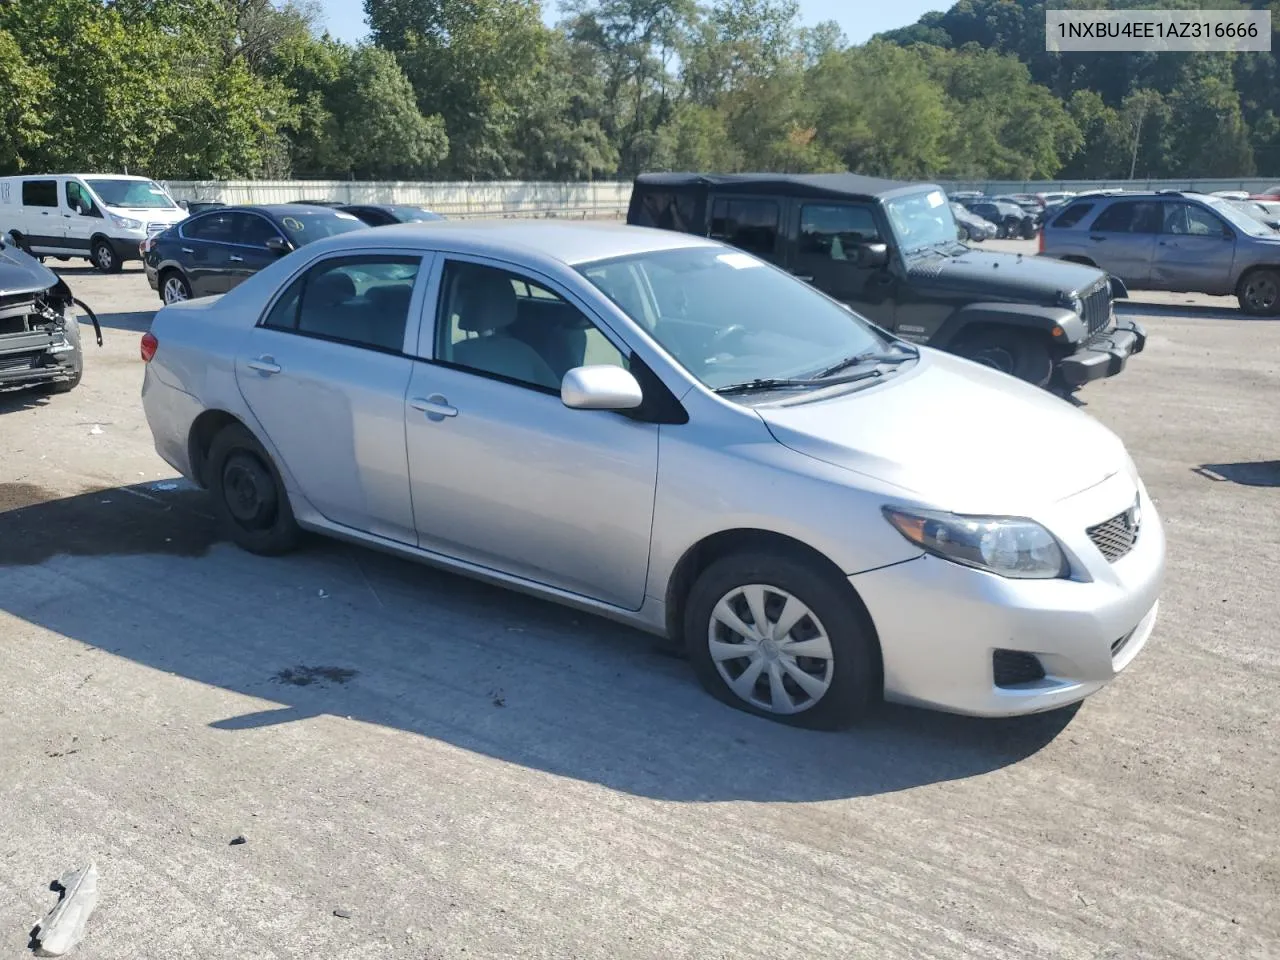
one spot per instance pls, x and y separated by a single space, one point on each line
138 194
1242 221
305 226
415 214
731 319
921 220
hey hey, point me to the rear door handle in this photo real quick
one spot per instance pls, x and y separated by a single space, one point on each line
234 259
187 250
264 365
434 406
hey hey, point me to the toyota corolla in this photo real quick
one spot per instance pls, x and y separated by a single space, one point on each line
674 434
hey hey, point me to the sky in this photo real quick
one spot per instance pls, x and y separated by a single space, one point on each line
859 18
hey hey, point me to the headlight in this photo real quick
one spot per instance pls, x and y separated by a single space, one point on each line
126 223
1077 306
1007 546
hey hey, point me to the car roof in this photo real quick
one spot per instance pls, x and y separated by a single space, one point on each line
277 209
566 242
820 185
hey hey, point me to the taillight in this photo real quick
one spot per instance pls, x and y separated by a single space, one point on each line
1040 246
149 345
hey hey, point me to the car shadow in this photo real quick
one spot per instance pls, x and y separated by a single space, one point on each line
22 398
1258 473
136 321
87 271
1176 311
342 631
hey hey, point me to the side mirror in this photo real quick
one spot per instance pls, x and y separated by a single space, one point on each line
600 387
872 254
279 246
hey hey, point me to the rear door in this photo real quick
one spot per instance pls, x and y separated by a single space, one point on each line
753 224
205 254
44 231
1122 239
1194 250
825 254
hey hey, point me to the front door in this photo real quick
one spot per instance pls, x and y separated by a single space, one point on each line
249 253
325 375
82 217
826 256
1194 250
1122 239
506 476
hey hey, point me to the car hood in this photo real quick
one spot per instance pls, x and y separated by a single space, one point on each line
20 273
957 436
983 275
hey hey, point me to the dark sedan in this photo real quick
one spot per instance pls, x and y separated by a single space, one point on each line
212 252
385 214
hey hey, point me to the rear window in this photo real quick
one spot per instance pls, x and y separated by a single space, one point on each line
1073 215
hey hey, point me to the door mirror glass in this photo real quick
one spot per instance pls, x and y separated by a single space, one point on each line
279 246
600 387
873 254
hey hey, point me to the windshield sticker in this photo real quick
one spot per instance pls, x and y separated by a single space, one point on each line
935 199
293 224
739 261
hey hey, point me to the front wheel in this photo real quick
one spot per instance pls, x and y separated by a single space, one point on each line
1019 353
1259 293
780 637
249 497
105 257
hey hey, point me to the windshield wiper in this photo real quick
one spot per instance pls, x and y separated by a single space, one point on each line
868 357
762 383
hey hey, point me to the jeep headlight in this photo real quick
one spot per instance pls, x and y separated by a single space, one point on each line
1076 305
1008 546
126 223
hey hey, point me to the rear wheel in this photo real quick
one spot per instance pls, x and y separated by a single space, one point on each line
174 287
249 497
1028 229
780 637
104 256
1259 293
1019 353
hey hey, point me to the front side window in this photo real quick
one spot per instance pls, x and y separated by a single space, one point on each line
832 231
358 300
730 318
1185 218
750 225
136 194
77 198
500 324
252 230
39 193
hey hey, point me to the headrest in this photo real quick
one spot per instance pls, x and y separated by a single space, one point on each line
486 301
331 288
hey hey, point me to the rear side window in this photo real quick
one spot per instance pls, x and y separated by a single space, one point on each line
1072 215
363 301
667 210
1130 216
750 225
39 193
213 227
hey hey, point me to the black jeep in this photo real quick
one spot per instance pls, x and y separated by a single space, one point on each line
888 250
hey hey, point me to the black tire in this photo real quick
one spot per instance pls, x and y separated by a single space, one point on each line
1019 353
104 257
962 233
177 277
1028 229
77 363
1258 293
855 686
249 498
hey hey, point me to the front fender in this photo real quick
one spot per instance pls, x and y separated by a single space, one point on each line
1118 290
1025 316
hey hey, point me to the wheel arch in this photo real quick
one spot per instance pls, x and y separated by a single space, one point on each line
200 439
724 543
1077 258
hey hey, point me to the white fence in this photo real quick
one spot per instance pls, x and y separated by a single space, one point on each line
513 198
994 187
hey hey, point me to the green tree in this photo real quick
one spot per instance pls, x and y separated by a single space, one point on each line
24 125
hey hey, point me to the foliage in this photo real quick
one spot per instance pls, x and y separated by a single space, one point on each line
484 89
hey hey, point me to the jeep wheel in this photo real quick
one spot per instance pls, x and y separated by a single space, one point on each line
1259 293
1019 353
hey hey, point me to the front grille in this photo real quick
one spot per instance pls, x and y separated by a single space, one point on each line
1115 537
1097 307
1013 667
21 361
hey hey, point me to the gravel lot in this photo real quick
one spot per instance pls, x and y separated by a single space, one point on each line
467 773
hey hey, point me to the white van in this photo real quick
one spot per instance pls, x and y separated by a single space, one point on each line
101 217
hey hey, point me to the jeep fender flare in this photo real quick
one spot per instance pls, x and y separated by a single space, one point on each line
1015 316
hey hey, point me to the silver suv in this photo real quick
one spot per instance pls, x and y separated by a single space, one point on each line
1170 240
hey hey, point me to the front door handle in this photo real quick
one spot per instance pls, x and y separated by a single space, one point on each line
234 259
1097 239
434 406
264 365
805 279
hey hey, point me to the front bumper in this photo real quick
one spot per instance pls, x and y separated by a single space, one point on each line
1104 354
35 358
940 623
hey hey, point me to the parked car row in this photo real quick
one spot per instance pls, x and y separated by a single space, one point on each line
1010 218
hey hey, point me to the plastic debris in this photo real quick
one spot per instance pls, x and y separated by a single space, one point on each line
237 841
342 912
95 430
64 927
167 485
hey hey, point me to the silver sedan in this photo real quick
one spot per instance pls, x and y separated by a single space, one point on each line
672 433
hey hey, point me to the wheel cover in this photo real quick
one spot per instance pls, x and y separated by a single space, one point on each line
1261 293
174 290
105 257
997 358
249 491
770 649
